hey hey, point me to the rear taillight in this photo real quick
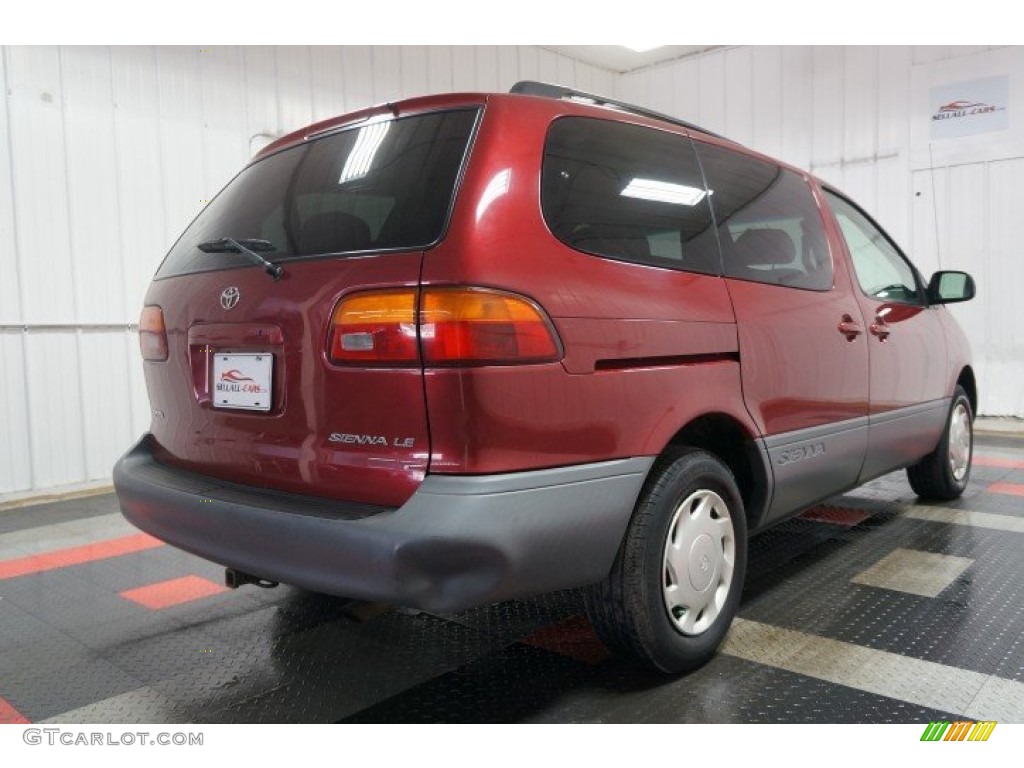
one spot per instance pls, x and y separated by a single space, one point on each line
153 334
452 326
375 328
477 325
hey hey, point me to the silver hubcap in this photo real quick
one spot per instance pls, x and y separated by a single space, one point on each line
700 554
959 442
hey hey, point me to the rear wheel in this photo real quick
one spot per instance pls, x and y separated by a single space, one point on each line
943 473
675 585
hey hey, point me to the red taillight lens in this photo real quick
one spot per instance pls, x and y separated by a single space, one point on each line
375 328
457 326
153 334
463 326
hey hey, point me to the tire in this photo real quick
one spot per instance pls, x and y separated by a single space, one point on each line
944 473
671 611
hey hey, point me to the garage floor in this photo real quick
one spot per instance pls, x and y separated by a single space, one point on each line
870 608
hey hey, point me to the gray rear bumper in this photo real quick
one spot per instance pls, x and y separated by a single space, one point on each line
459 541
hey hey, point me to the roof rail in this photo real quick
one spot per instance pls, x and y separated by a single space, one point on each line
552 91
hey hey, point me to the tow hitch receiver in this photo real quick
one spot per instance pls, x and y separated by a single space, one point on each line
235 579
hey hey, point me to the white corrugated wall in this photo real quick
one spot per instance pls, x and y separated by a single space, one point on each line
106 154
858 117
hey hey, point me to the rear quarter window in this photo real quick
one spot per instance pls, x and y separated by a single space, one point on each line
769 225
629 193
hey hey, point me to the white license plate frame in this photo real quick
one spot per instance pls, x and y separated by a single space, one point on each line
242 381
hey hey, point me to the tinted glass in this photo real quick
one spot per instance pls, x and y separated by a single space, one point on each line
382 185
769 225
881 270
627 192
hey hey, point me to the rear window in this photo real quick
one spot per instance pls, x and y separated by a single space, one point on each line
627 192
769 225
381 185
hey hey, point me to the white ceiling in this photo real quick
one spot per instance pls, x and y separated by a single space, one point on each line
619 58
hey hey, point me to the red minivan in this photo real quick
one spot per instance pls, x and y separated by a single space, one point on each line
465 348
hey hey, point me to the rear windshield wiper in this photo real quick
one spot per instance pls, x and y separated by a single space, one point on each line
247 247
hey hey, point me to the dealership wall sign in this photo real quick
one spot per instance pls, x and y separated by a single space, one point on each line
970 107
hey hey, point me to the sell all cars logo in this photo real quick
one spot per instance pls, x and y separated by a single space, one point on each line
235 381
962 108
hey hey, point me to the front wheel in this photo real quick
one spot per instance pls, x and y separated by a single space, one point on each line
676 582
943 473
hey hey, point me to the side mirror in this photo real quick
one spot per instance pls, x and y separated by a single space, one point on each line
949 287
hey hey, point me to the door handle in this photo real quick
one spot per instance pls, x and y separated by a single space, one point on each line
880 328
849 327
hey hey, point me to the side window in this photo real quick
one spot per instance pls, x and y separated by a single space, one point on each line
881 270
769 225
627 192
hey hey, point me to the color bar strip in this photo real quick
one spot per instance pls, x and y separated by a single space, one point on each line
958 731
87 553
164 594
976 731
934 730
986 731
1012 489
9 715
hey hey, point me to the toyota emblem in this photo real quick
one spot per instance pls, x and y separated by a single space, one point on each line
229 297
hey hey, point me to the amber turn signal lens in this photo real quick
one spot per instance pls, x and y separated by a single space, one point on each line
153 334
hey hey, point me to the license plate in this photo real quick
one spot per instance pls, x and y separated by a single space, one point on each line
242 380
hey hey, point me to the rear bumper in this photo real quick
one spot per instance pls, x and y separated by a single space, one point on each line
458 542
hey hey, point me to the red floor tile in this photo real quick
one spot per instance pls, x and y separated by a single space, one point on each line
87 553
1012 489
836 516
996 461
164 594
572 637
9 715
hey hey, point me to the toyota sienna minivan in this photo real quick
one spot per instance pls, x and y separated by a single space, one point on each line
466 348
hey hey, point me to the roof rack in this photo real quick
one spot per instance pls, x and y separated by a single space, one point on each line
552 91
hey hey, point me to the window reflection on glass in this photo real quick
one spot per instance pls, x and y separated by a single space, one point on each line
629 193
769 225
882 272
368 141
379 186
663 192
